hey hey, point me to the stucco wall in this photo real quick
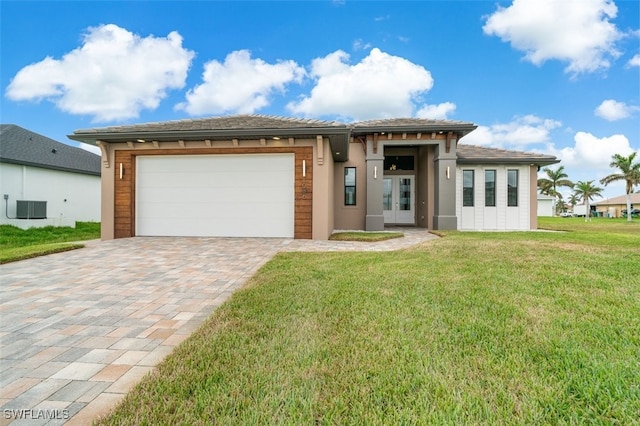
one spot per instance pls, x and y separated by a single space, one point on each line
323 183
351 217
70 196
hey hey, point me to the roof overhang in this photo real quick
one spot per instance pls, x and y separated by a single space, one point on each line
532 161
50 167
460 129
338 136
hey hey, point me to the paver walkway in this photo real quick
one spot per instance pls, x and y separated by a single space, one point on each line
79 329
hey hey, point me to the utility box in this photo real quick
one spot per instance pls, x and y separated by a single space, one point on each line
580 210
31 209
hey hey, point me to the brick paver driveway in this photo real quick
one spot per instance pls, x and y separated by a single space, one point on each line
79 329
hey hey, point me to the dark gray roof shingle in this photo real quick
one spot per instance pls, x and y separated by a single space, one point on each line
21 146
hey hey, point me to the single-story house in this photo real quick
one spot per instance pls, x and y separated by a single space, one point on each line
612 207
266 176
44 182
546 205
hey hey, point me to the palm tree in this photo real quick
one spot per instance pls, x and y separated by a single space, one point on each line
585 191
550 184
573 200
629 172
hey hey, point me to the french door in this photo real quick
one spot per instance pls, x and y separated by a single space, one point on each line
398 198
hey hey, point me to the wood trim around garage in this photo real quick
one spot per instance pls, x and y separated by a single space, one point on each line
124 199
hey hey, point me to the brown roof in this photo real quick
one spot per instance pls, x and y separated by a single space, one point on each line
234 122
413 125
472 154
266 122
249 126
622 199
409 122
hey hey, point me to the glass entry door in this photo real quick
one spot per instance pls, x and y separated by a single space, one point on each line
398 200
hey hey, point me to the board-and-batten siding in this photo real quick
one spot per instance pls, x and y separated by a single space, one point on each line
501 217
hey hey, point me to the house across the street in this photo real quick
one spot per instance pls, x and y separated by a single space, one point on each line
616 206
44 182
266 176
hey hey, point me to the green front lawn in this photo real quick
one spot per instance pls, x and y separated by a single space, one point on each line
17 244
473 328
365 236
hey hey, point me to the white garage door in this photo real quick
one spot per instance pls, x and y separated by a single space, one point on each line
249 195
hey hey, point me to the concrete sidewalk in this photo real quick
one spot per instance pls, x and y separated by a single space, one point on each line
79 329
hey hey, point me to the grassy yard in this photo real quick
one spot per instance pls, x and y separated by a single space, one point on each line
17 244
473 328
365 236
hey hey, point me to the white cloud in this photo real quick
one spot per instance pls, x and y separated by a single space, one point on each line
113 76
239 85
592 153
521 131
589 157
635 61
612 110
436 112
379 86
576 31
361 45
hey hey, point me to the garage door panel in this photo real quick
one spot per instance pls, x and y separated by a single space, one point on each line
179 212
221 199
265 229
216 195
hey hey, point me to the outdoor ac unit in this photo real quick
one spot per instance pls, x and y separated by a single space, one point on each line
31 209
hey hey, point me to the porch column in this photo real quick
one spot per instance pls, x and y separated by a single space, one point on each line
375 165
444 214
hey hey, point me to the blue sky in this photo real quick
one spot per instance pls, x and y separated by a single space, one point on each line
560 77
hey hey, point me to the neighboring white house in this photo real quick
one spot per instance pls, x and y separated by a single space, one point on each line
545 205
44 182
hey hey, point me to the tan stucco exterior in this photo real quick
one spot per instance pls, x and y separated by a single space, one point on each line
321 151
351 217
323 215
533 193
613 207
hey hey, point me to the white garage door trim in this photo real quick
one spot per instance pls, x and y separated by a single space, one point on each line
230 195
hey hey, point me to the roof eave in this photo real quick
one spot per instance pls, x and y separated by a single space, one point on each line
462 129
172 135
50 167
519 161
